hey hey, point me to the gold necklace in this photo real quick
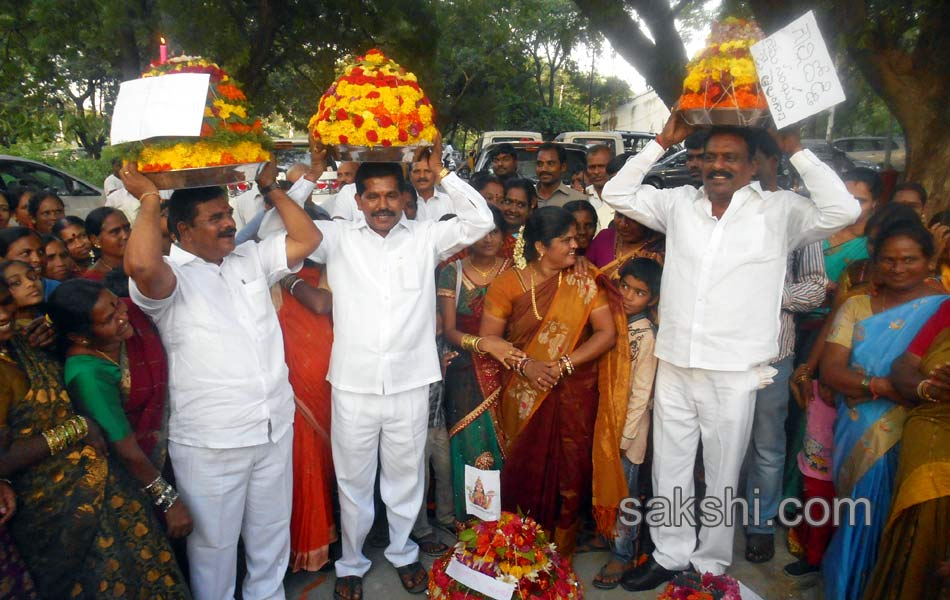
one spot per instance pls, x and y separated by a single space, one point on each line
534 300
486 276
105 356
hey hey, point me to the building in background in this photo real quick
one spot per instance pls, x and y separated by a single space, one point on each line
646 112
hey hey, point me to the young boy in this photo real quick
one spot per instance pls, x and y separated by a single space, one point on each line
640 288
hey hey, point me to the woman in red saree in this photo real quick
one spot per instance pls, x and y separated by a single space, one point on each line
559 412
303 312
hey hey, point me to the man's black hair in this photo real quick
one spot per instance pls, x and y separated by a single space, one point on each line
616 163
748 135
768 145
408 188
504 148
183 205
911 186
561 152
646 270
600 148
868 177
371 170
696 141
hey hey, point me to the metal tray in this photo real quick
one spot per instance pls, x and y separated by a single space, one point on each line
402 154
741 117
205 176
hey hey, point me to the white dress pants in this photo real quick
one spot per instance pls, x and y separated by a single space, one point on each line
231 493
689 405
393 428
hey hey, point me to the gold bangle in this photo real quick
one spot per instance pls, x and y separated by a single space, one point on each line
156 194
443 173
50 443
475 346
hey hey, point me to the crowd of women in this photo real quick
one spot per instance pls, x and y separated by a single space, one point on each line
83 385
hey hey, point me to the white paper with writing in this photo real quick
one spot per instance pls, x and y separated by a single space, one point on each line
491 587
168 105
796 72
483 493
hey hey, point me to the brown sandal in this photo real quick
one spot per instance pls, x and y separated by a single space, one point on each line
413 577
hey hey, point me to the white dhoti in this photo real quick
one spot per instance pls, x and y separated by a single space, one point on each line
689 405
231 493
393 428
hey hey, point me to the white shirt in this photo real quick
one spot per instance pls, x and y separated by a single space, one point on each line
434 208
111 184
721 291
605 214
384 293
227 379
344 205
118 197
246 205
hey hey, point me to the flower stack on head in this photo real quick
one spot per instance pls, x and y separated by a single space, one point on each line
375 103
230 134
721 85
693 586
513 550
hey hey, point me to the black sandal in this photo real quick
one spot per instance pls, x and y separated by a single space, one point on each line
413 577
759 547
430 545
348 588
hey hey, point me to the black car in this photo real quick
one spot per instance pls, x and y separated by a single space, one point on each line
670 172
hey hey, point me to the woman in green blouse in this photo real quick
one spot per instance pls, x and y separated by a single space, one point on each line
95 328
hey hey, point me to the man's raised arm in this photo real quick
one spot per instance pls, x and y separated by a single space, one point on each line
626 192
474 219
143 254
303 237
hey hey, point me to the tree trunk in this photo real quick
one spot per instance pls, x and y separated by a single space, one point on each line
663 63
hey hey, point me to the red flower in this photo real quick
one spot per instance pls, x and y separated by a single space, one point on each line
372 136
384 121
387 143
344 139
341 115
373 95
357 121
403 136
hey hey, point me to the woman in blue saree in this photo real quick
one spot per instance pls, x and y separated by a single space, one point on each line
870 331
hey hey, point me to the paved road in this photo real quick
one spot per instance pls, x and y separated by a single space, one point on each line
381 583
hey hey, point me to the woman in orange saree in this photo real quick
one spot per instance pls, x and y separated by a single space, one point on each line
308 335
559 412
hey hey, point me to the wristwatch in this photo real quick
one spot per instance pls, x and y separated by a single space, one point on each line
266 189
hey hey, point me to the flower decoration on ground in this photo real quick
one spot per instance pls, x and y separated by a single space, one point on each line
723 75
230 134
375 102
514 550
693 586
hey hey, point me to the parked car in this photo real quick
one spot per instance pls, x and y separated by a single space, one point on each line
634 141
873 150
528 158
611 139
79 196
671 172
497 137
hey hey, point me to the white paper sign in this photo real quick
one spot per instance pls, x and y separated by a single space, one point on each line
747 594
491 587
796 72
168 105
483 493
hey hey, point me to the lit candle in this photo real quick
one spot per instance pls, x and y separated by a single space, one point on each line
162 51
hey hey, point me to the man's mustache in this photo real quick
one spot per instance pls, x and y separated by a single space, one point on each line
228 233
725 174
384 213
